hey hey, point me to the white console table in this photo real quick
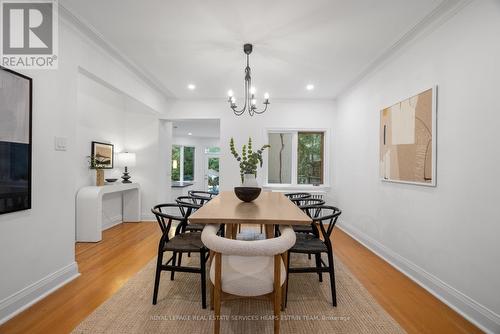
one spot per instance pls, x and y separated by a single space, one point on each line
89 208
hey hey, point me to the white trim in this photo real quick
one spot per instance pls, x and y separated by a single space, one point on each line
326 157
434 19
148 217
21 300
70 16
109 222
479 315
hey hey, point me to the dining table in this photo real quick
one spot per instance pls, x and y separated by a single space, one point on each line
269 209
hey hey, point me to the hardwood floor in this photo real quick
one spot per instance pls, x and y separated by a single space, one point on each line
126 248
104 268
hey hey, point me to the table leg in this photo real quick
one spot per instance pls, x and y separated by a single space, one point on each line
269 231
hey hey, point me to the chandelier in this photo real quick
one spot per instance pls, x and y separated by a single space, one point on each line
250 100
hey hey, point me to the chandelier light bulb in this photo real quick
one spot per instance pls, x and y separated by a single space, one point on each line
230 93
266 96
254 102
252 90
233 99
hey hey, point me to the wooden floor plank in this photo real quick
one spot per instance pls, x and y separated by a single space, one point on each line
126 248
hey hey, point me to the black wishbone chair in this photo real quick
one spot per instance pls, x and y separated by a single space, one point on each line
305 205
201 197
188 206
326 217
178 244
297 196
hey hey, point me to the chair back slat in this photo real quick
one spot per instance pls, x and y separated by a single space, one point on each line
165 218
201 197
307 204
325 215
297 197
189 205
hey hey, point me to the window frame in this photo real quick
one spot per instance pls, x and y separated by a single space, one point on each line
295 158
181 163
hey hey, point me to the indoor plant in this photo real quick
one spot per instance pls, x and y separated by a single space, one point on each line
99 170
249 161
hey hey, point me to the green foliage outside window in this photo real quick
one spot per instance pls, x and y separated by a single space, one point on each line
182 157
176 163
310 158
188 163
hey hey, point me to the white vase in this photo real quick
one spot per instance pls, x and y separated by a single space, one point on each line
249 180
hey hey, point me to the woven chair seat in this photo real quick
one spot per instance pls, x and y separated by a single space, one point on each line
185 242
307 243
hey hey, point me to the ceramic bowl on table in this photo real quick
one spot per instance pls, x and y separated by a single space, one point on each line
247 194
111 180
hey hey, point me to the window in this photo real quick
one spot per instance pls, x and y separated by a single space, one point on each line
310 158
212 150
280 158
182 163
296 157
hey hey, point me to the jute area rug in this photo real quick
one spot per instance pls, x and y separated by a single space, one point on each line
179 311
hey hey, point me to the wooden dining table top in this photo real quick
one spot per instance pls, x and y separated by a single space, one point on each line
271 208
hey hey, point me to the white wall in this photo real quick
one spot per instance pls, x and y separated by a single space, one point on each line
37 246
446 237
106 115
308 114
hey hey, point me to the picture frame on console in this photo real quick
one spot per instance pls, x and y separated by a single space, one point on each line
102 155
16 95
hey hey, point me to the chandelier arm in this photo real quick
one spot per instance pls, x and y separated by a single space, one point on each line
242 110
263 111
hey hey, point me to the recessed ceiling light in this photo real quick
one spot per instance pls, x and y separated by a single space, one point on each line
310 87
191 87
190 134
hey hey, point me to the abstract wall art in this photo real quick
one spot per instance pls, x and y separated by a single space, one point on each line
15 141
408 140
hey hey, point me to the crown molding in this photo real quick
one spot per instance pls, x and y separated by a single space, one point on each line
91 32
446 10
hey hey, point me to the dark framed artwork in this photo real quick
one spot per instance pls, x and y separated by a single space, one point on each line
15 141
103 154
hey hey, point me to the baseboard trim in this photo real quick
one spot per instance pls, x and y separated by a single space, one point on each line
23 299
476 313
148 217
110 222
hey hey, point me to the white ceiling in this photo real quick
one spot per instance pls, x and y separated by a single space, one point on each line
206 128
325 42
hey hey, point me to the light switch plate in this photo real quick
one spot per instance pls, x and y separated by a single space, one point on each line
60 143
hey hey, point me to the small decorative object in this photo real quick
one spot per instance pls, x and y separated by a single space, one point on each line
15 141
408 140
126 159
99 171
111 180
102 154
247 194
250 101
249 161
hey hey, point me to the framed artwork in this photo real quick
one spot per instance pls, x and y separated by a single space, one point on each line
103 154
15 141
408 140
